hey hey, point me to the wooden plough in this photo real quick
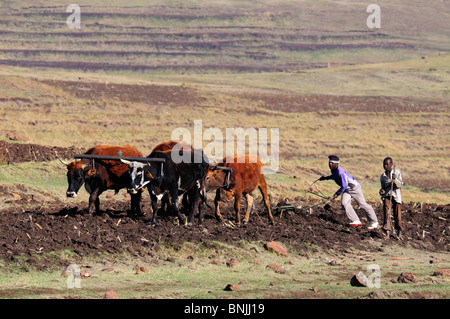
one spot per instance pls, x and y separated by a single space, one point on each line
297 207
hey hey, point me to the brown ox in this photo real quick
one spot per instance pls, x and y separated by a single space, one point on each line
245 177
100 175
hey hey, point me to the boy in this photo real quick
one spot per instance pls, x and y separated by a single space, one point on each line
392 201
350 188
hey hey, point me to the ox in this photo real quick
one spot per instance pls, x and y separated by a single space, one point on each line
245 176
100 175
175 179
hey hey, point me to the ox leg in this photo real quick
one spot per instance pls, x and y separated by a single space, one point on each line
174 203
263 189
249 207
136 203
196 204
216 206
94 202
237 207
154 208
165 203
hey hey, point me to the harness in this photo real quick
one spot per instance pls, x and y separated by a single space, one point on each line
228 172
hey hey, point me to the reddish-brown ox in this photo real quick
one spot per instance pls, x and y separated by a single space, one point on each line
245 177
100 175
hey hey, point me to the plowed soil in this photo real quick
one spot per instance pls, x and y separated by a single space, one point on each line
17 153
63 226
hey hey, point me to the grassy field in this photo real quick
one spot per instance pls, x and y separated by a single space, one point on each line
362 130
201 272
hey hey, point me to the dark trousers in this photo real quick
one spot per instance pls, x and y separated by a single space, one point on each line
396 211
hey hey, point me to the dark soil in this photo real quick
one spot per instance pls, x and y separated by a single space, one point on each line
17 153
63 226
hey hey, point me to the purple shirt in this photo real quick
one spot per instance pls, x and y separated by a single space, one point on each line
343 179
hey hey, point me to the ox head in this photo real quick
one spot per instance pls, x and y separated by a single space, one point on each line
76 175
217 177
139 175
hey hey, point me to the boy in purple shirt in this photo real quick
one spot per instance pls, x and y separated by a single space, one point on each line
350 188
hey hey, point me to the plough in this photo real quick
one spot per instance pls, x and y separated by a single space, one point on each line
297 206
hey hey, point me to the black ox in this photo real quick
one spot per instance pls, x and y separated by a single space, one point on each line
183 173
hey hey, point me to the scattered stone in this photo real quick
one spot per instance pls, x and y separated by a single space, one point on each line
407 277
273 283
315 289
110 294
140 270
109 269
170 259
442 272
277 248
231 287
232 263
358 280
17 137
16 196
277 268
434 261
106 262
85 274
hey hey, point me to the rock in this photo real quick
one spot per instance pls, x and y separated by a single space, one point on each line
277 268
109 269
17 137
110 196
140 270
315 289
407 277
277 248
358 280
110 294
232 263
442 272
170 259
434 261
16 196
85 274
231 287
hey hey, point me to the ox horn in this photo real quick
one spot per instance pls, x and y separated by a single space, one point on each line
64 162
125 161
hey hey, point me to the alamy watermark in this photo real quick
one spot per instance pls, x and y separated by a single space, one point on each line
73 280
235 141
74 20
374 278
373 20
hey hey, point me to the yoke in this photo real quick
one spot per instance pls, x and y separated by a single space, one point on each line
118 158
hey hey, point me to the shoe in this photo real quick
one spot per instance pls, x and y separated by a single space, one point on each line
355 224
373 226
